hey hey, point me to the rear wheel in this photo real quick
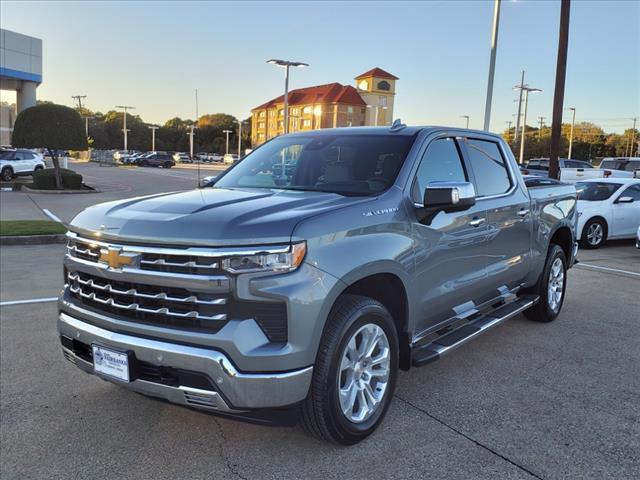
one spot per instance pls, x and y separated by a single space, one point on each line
168 165
550 287
7 174
355 372
594 233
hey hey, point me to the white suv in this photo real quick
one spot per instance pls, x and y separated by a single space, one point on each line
19 162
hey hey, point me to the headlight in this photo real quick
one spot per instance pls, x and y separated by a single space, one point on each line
277 262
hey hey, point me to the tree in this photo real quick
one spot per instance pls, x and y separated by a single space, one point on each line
50 126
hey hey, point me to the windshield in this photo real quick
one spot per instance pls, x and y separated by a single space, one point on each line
596 191
342 164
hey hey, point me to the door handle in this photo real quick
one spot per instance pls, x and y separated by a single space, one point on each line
476 222
523 212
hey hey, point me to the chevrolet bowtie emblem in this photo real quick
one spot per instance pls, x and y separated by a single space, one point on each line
115 259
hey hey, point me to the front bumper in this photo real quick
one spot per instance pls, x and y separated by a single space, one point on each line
231 391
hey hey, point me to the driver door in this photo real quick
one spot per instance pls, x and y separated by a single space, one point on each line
450 247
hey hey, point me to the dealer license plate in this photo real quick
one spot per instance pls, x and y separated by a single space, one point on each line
110 362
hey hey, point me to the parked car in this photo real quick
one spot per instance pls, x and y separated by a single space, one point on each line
387 249
155 159
215 157
638 238
202 156
540 167
181 157
124 155
608 208
622 164
230 158
19 162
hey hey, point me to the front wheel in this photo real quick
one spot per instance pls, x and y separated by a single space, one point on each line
355 372
7 174
550 287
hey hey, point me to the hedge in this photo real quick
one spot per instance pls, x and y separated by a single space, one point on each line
45 179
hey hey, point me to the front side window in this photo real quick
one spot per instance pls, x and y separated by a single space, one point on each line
596 191
633 191
440 163
343 164
489 168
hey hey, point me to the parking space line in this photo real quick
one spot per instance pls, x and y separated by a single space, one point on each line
29 301
608 269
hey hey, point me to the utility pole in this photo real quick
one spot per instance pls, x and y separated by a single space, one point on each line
541 121
509 130
573 123
124 128
492 64
467 117
227 132
519 87
558 97
526 89
79 99
153 137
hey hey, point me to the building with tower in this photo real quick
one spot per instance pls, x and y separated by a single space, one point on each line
368 103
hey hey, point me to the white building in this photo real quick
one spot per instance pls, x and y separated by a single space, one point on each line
21 72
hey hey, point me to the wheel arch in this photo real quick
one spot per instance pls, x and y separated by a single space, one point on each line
562 237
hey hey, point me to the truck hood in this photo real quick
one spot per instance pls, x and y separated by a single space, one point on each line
208 217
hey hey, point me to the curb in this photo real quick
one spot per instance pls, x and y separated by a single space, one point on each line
59 192
33 239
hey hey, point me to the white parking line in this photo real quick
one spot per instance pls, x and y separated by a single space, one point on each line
608 269
26 302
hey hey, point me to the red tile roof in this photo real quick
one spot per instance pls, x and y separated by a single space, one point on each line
329 93
377 72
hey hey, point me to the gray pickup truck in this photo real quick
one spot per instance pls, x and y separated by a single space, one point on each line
312 270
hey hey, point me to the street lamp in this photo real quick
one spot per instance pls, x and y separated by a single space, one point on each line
124 128
526 89
227 132
153 137
286 64
191 134
467 117
573 122
377 107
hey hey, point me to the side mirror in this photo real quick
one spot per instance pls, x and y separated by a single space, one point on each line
449 196
625 200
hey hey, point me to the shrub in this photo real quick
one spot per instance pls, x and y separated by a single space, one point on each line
46 179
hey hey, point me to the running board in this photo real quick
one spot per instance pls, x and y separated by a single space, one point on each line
423 354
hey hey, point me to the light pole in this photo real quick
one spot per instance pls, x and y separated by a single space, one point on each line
508 129
124 128
191 134
492 64
573 122
541 120
240 122
467 117
227 132
286 64
633 136
526 89
519 87
153 137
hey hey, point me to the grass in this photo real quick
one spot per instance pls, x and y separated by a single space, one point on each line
30 227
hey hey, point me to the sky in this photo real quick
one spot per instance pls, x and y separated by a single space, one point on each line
154 54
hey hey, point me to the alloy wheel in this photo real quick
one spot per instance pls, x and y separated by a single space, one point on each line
364 373
556 285
595 234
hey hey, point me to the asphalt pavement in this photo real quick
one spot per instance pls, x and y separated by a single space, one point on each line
525 400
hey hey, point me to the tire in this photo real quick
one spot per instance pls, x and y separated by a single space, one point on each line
594 233
7 174
143 164
168 165
39 167
549 306
353 317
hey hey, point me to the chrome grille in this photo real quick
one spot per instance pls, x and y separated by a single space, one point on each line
149 303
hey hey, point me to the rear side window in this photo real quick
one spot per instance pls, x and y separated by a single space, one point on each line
440 163
489 168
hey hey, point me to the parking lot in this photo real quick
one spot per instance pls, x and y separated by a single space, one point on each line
526 400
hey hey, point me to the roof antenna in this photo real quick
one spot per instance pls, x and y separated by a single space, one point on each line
397 125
